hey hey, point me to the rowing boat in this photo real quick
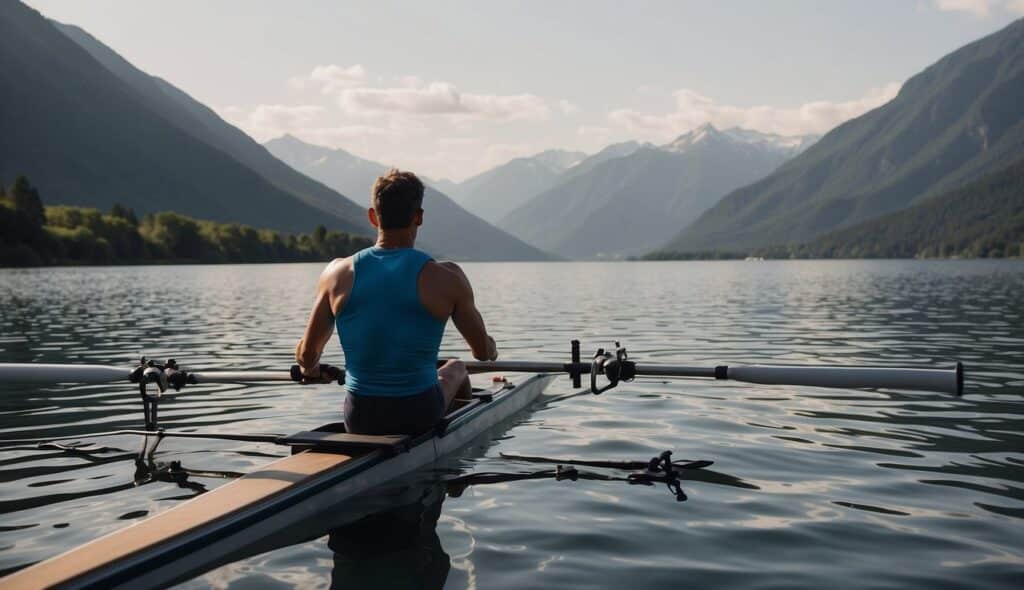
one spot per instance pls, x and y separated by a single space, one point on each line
248 515
291 500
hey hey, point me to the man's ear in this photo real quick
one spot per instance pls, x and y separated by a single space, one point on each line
371 214
419 218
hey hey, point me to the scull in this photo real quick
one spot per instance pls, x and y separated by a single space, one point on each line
328 466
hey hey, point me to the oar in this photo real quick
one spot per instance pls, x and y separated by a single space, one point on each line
71 373
168 375
940 380
614 367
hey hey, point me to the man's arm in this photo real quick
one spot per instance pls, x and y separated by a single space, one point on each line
320 326
467 318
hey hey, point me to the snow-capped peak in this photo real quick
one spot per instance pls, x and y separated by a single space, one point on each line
707 133
691 138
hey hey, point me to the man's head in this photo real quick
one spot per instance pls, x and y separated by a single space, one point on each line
397 199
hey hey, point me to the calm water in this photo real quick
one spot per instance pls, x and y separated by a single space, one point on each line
810 487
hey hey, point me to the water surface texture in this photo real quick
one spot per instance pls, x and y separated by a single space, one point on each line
809 487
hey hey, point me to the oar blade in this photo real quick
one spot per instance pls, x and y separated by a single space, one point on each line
949 381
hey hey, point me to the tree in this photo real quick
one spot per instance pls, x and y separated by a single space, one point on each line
26 201
125 213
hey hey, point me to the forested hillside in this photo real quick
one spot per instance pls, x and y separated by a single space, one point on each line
982 220
32 234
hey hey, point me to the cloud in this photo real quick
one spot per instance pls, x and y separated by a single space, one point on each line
975 7
442 98
693 109
980 8
333 78
413 96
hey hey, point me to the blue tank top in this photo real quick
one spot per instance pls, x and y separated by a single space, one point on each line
390 340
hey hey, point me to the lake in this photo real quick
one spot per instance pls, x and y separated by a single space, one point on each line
809 487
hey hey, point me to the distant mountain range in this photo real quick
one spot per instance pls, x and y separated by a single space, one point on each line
984 219
448 230
631 198
954 122
497 191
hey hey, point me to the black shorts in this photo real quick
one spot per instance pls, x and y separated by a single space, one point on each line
411 414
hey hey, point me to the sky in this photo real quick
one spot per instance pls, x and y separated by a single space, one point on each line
451 88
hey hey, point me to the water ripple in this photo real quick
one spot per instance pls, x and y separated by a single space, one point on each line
810 487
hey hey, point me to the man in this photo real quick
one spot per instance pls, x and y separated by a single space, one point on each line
390 303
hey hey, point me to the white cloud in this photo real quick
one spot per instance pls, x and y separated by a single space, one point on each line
975 7
1015 7
442 98
693 109
569 108
333 78
981 8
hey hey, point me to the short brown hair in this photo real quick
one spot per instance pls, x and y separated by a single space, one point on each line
397 197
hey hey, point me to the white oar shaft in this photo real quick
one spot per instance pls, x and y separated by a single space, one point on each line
519 367
53 373
241 376
950 381
49 373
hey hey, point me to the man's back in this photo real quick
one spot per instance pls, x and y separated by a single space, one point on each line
390 304
391 340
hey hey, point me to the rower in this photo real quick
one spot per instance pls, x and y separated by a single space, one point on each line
390 304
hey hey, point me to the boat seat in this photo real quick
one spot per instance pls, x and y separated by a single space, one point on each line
343 442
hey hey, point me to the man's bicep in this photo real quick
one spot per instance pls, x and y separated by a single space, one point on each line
319 326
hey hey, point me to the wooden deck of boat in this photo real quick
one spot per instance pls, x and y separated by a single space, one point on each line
250 489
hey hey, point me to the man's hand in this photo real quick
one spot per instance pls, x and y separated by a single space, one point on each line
314 375
492 349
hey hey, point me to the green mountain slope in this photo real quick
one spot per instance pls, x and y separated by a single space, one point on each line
957 120
198 120
87 138
448 229
980 220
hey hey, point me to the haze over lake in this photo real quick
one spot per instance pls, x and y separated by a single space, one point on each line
810 487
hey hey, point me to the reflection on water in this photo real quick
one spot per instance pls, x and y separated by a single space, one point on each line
397 548
876 488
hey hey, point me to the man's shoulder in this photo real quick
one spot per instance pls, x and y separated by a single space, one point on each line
339 265
445 267
337 272
445 272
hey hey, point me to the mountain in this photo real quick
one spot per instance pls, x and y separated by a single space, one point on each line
615 150
443 185
980 220
336 168
955 121
627 205
497 191
86 137
204 124
788 145
448 230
